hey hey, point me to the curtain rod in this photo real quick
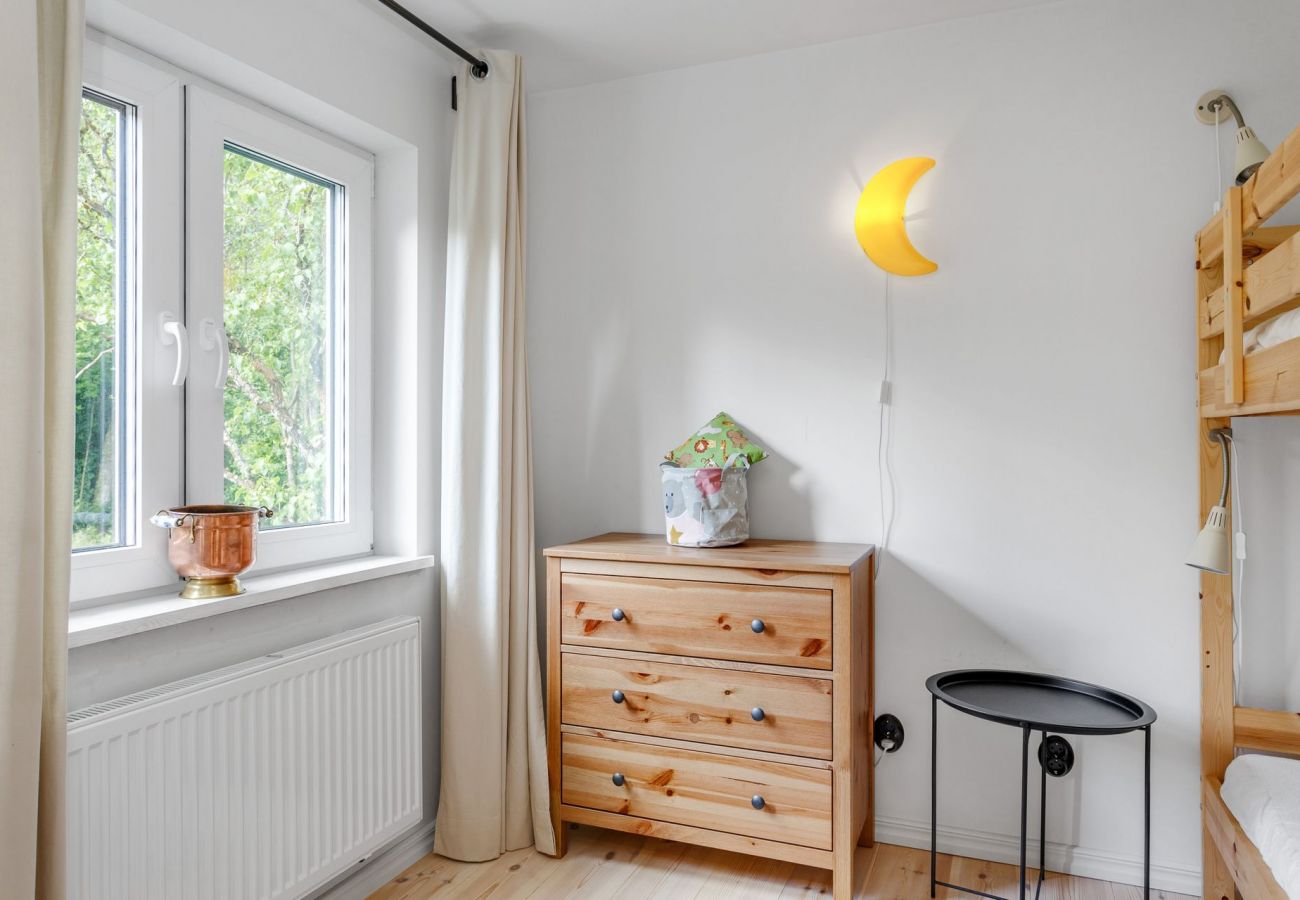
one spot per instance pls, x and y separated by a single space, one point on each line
478 67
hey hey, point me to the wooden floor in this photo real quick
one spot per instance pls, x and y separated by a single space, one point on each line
604 865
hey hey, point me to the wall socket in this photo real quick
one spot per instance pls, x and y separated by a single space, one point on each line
888 732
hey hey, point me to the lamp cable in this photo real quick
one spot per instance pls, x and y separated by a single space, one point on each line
1218 164
1238 574
885 483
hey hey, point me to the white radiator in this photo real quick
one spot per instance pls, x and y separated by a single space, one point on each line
264 779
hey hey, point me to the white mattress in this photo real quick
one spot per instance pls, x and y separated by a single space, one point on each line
1270 334
1263 792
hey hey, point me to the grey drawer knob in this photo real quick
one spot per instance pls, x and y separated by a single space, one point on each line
757 801
619 779
757 714
757 626
618 696
618 615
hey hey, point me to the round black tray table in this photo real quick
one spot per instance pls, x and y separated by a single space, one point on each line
1043 703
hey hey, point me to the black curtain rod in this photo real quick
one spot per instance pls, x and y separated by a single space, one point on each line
478 67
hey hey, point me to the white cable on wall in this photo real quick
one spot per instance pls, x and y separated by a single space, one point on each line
884 437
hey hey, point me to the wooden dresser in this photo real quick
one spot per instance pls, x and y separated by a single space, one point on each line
721 697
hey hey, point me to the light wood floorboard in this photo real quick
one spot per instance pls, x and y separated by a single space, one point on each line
602 865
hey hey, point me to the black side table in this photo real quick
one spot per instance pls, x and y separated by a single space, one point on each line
1034 702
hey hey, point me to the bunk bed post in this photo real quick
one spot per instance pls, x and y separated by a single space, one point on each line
1216 595
1216 589
1216 667
1233 299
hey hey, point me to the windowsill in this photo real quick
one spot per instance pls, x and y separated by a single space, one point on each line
114 620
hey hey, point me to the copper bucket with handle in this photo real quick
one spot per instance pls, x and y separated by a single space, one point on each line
211 546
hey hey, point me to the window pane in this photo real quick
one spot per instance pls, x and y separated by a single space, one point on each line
100 467
282 404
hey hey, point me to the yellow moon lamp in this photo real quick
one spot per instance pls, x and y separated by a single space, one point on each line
879 223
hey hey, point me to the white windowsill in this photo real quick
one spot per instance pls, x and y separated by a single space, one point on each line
94 624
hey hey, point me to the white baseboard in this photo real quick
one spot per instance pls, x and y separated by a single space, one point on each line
1005 848
381 867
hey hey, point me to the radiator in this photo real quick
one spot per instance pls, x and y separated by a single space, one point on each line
265 779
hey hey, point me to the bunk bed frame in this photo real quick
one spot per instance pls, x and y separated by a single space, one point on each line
1247 273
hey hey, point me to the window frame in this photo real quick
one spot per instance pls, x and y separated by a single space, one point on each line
214 119
157 437
153 287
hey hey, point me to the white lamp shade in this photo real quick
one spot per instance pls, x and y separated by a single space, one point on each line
1250 153
1212 551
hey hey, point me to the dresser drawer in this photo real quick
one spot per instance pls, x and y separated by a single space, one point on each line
700 789
749 623
778 713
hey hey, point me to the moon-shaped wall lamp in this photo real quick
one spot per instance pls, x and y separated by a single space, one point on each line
879 223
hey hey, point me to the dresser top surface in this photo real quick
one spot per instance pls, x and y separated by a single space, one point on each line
803 556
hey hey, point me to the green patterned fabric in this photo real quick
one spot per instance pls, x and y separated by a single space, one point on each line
714 444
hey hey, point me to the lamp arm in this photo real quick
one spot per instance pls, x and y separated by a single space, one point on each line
1225 100
1223 436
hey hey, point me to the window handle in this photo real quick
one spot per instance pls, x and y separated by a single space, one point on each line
213 337
171 331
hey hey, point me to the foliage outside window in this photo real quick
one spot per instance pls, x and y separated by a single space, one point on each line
280 394
99 466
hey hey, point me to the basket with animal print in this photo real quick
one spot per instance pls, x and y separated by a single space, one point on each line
706 488
707 507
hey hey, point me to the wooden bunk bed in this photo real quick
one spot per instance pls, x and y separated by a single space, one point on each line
1247 274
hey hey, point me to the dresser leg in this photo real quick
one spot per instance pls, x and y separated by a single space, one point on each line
842 878
867 837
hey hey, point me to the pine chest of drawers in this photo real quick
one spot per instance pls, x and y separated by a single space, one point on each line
720 697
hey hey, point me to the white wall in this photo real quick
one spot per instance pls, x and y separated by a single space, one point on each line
691 250
351 70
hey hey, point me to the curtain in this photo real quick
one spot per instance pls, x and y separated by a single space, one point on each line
494 794
40 106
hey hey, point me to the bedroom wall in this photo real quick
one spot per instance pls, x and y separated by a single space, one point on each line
691 250
351 70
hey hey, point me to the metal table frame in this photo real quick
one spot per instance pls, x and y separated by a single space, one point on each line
1142 724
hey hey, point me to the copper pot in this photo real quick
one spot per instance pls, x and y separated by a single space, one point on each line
211 546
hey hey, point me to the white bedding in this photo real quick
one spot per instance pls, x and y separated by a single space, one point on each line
1271 333
1263 792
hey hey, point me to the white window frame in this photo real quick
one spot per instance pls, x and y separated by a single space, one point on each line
212 120
153 426
167 271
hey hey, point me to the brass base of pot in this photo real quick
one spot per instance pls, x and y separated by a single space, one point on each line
197 588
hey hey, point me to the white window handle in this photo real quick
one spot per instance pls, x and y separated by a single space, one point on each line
213 337
171 331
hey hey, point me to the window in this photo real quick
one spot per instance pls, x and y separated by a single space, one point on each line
282 307
102 488
223 325
278 290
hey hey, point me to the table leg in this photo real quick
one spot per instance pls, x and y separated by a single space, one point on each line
1146 819
1024 805
934 790
1042 815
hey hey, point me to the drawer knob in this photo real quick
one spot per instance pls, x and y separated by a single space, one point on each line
757 801
757 714
618 696
619 779
618 615
757 626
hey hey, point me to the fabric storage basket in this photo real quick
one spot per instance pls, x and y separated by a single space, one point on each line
707 507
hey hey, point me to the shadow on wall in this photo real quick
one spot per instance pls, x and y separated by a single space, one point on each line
779 502
978 761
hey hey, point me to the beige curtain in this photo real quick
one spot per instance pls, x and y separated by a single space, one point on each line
494 789
40 106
